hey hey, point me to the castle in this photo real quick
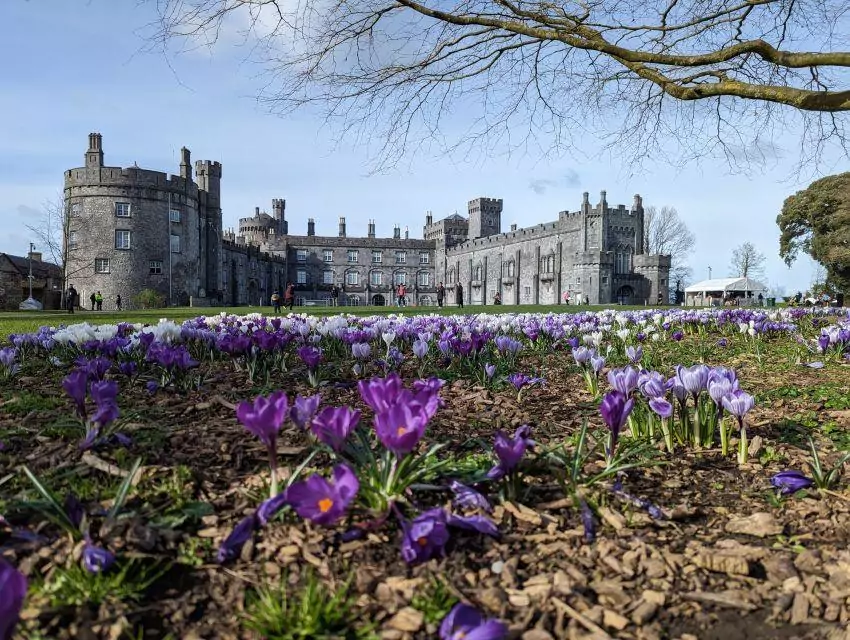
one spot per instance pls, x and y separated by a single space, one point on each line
131 229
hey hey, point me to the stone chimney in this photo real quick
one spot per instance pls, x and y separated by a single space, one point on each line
35 256
94 155
341 227
256 212
406 233
311 227
185 163
370 232
429 219
397 232
513 226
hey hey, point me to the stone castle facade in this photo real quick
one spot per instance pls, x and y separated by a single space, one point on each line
132 229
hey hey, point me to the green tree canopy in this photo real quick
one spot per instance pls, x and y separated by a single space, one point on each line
816 221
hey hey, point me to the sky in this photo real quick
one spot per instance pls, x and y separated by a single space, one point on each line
80 66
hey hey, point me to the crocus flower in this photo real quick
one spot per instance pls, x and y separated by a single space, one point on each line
509 451
469 497
424 537
333 425
311 356
380 393
823 342
481 524
582 355
597 363
662 407
738 404
489 370
420 349
270 507
242 532
789 482
719 388
401 426
652 384
694 379
321 501
677 335
303 410
634 354
96 559
74 510
264 416
467 623
75 385
13 590
623 380
104 395
615 410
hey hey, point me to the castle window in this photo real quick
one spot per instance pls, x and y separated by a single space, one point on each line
302 255
424 258
174 215
328 255
122 209
527 292
101 265
477 273
578 279
327 276
510 269
76 209
352 278
424 279
376 278
377 257
301 276
353 301
352 255
604 279
156 268
122 239
451 276
72 239
175 243
400 278
401 257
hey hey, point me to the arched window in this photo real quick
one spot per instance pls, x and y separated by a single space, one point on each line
451 276
477 273
510 269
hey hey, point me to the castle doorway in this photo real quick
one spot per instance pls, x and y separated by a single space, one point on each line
379 300
625 295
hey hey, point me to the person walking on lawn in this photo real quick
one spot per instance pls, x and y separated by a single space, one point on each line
289 296
276 302
459 295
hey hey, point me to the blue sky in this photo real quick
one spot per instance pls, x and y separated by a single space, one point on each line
72 67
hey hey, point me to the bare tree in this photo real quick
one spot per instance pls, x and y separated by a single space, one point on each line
52 233
666 233
713 76
747 262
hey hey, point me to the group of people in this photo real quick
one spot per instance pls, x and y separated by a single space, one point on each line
72 300
288 298
441 294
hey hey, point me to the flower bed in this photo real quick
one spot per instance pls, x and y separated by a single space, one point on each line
626 474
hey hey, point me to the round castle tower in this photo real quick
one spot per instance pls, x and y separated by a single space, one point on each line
132 229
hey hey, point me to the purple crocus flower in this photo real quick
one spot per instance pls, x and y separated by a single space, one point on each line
242 532
13 590
582 355
634 354
96 559
152 386
270 507
75 385
738 404
74 510
597 363
789 482
264 416
719 388
104 395
510 451
652 384
321 501
469 497
333 425
677 335
464 622
380 393
489 370
823 342
662 407
128 368
311 356
303 410
615 410
401 426
420 349
361 350
694 379
481 524
623 380
425 537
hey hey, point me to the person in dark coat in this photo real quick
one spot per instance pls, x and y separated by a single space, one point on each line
71 299
441 294
459 295
289 296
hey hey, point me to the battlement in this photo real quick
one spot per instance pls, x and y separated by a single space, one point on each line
128 177
646 261
540 230
208 167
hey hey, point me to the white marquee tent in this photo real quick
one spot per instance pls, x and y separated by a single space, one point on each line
702 293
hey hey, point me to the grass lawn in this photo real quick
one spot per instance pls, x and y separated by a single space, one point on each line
27 321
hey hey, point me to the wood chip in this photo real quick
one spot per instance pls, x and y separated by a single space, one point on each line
721 599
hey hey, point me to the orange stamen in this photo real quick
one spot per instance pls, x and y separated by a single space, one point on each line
325 504
401 430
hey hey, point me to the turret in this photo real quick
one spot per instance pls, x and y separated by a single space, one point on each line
603 203
94 155
209 179
585 203
341 227
185 163
429 219
279 212
311 227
